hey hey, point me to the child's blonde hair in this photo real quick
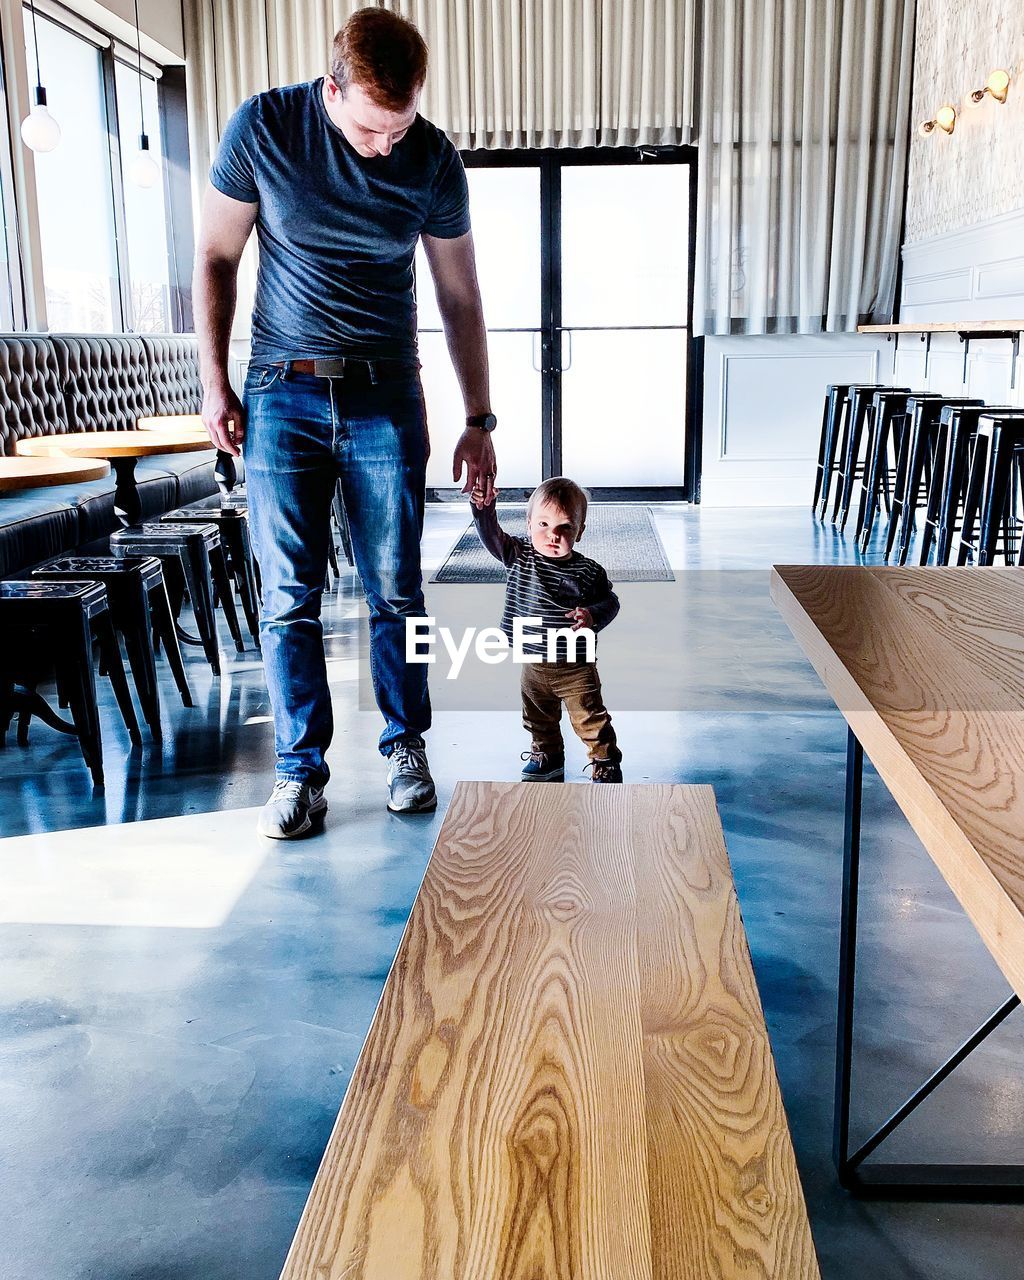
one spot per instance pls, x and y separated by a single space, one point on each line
567 495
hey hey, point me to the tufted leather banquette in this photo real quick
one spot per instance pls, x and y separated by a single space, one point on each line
67 382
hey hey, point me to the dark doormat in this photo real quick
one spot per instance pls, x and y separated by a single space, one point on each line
619 535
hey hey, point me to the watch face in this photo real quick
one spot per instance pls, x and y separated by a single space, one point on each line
485 421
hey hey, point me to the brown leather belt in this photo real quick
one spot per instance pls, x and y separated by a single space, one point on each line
340 367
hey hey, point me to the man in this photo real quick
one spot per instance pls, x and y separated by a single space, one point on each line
341 177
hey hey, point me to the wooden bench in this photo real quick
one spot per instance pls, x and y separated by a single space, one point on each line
568 1076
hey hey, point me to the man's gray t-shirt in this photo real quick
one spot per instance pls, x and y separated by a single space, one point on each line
337 231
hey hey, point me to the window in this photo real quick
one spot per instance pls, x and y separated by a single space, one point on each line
9 265
75 196
144 207
111 250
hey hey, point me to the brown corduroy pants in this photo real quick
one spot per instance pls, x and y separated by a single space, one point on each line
545 686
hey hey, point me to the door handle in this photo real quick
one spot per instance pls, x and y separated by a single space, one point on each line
563 367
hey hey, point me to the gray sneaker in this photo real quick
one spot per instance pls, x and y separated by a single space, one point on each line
292 810
410 786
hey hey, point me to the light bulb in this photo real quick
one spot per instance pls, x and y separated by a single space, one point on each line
39 130
945 118
144 170
997 84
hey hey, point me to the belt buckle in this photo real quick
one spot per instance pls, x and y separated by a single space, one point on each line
333 368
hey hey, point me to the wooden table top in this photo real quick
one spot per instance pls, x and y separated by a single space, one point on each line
110 444
181 423
568 1074
927 666
36 473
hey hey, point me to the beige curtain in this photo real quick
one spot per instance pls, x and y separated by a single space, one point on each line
802 142
503 73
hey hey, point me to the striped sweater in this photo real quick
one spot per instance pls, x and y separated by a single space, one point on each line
541 587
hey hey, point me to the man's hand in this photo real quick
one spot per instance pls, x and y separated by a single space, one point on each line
581 618
224 419
476 449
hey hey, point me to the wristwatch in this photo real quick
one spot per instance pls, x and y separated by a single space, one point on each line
485 421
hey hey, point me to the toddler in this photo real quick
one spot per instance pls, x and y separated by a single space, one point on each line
547 579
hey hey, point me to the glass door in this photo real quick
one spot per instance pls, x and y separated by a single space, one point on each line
585 261
624 332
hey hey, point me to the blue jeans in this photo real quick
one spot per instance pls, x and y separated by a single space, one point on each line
303 434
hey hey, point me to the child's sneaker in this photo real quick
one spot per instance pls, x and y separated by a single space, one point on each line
543 766
605 771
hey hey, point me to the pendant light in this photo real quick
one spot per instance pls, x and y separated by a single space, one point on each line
39 130
143 170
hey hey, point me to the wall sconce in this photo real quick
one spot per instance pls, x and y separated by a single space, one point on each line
945 119
997 86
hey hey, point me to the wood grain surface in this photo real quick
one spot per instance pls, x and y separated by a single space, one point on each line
568 1076
38 473
927 666
111 444
180 423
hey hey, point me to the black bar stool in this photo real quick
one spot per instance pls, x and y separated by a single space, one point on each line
233 526
139 607
837 399
989 486
850 462
919 468
193 554
886 423
957 430
58 622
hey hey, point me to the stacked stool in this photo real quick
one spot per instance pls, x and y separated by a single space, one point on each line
992 480
886 424
64 619
139 607
915 467
231 522
849 461
957 430
192 557
837 400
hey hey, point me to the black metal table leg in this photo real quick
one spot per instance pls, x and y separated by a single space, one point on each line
989 1182
847 954
127 503
225 472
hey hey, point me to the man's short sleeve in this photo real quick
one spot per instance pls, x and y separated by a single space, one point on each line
234 171
449 212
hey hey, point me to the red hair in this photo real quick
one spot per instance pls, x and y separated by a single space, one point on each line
384 54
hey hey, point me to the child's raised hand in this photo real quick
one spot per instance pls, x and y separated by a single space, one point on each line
477 496
581 618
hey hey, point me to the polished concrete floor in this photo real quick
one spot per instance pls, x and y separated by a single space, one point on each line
181 1004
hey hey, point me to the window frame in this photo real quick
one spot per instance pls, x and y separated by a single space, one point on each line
171 122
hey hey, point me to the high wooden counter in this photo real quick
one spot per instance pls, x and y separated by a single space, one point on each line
927 666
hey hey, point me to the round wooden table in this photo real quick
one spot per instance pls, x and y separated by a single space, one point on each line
122 449
176 423
37 473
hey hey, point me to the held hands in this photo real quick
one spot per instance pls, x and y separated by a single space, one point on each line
479 499
476 449
224 419
581 617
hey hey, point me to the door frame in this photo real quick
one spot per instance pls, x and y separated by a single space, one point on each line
550 161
